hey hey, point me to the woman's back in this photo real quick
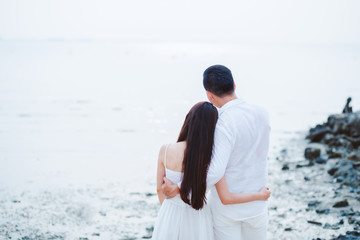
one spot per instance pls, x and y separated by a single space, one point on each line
173 159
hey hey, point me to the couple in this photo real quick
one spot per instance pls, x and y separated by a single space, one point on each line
224 151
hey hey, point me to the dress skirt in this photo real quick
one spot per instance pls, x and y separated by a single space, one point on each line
178 221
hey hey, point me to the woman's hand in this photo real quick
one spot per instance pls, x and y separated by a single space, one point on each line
264 193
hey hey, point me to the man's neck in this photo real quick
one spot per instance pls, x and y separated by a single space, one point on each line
222 101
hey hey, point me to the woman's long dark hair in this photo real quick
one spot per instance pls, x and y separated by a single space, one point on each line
198 133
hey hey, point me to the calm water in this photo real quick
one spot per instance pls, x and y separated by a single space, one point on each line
81 123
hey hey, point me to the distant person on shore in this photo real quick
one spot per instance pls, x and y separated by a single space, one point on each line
187 215
241 144
347 108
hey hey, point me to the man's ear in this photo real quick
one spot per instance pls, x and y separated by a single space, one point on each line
210 96
234 86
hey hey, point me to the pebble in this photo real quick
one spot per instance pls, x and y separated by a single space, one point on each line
313 203
350 235
322 211
320 160
285 167
332 171
315 223
340 204
312 153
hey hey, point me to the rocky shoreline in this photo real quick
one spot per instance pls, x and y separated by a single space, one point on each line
341 137
335 146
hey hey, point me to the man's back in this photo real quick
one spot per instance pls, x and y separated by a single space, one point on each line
241 144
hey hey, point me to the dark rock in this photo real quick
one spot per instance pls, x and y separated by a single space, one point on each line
356 165
149 231
316 134
336 118
347 172
349 213
322 211
285 167
341 128
313 203
314 222
357 222
328 138
306 179
351 220
312 153
354 122
332 154
320 160
353 156
355 142
340 204
341 222
332 171
150 194
329 226
289 229
339 180
350 235
346 125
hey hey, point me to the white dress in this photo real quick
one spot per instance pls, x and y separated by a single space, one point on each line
177 220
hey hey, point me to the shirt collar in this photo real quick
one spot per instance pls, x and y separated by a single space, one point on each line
231 104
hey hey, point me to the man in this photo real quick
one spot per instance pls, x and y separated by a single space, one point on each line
241 146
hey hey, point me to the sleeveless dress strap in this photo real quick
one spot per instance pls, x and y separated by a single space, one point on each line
165 155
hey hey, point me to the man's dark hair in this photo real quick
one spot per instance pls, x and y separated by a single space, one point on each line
218 80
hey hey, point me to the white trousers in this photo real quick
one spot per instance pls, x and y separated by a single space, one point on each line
249 229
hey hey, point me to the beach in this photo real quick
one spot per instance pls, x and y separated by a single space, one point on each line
82 121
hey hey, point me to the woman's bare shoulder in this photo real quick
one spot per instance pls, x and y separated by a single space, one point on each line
162 153
175 155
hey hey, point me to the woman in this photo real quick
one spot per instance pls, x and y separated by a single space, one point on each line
187 216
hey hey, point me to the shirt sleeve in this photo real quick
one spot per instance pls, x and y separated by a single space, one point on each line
222 149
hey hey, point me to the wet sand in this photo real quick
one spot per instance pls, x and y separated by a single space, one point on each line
113 211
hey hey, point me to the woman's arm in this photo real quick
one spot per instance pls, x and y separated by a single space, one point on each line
160 174
227 197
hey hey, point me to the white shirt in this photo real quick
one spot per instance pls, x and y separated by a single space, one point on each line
241 145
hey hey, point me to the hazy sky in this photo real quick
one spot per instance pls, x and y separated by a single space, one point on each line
325 21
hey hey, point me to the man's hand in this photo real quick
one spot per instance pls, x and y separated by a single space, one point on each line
169 189
265 193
